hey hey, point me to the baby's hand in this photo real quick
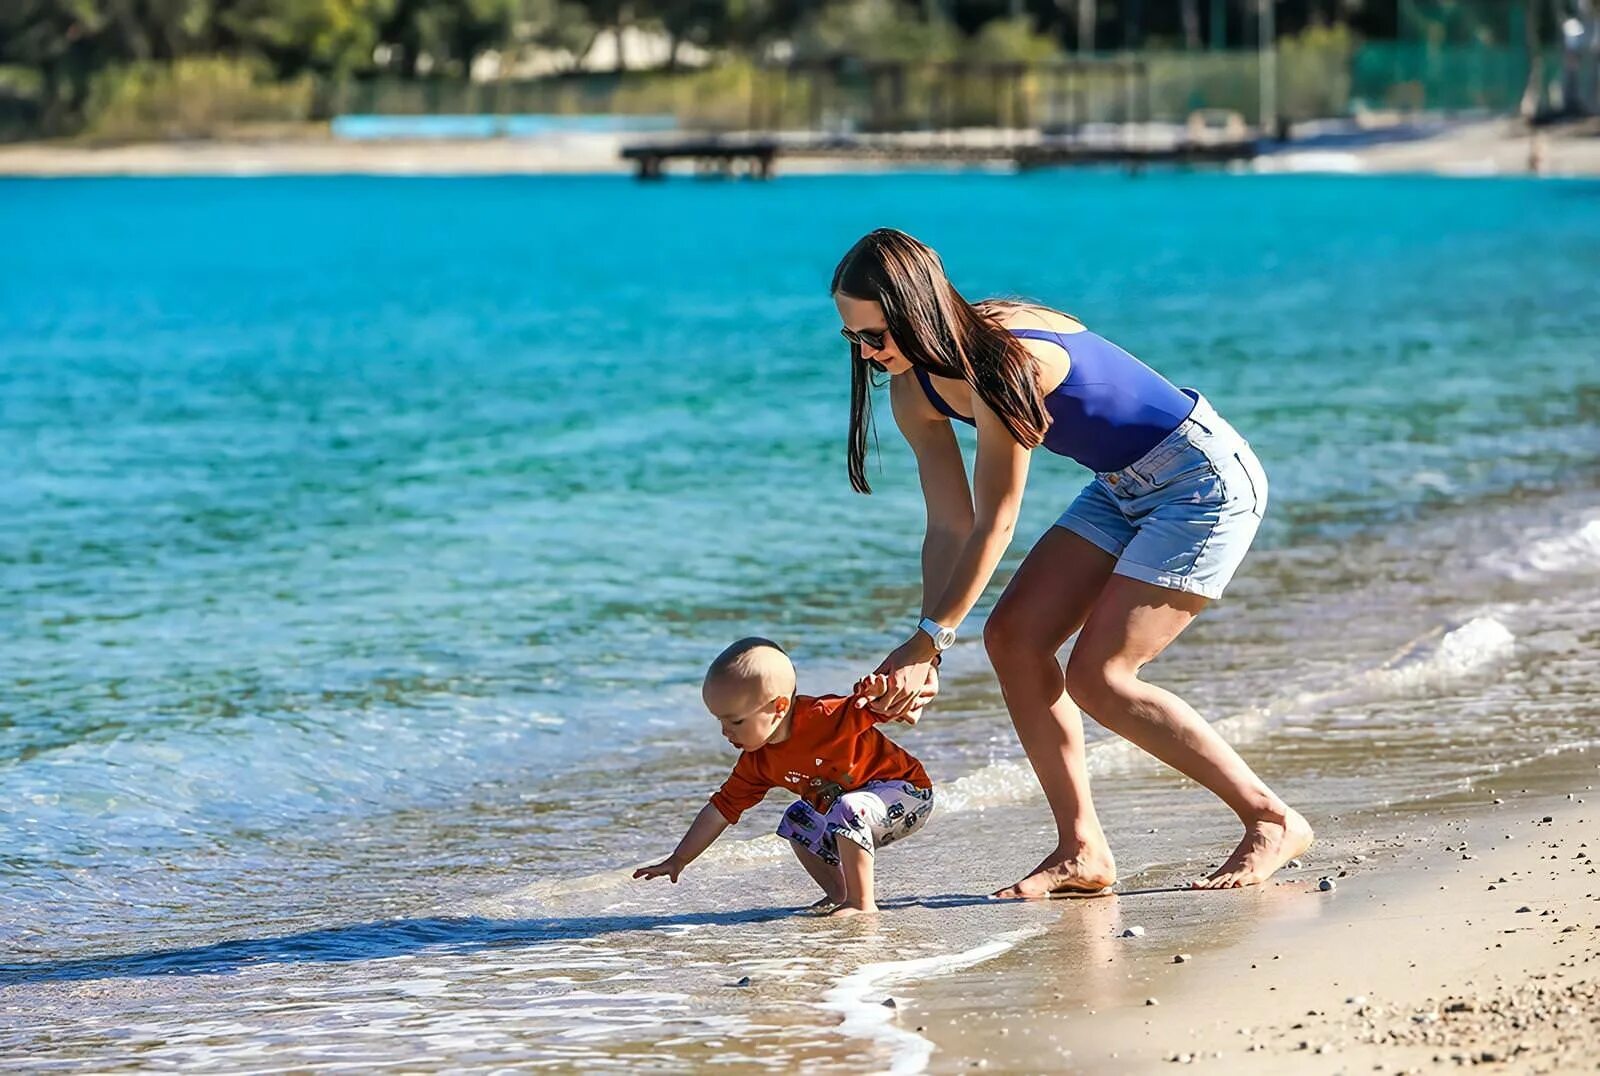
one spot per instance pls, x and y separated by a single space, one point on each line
880 685
669 866
870 687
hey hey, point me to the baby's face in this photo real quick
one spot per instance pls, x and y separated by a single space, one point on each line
748 720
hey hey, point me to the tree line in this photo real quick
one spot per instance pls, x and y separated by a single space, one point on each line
52 50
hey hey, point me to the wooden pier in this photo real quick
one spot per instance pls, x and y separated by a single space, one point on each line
711 156
1093 111
757 158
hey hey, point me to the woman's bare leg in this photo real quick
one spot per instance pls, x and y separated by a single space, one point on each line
1047 600
1131 623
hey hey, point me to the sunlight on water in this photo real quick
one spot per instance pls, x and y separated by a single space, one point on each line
368 539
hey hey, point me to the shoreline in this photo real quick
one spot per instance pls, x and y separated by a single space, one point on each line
1498 147
1467 933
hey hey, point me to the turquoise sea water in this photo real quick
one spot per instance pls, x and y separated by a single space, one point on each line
364 540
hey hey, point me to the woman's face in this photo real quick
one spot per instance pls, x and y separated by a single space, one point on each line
865 317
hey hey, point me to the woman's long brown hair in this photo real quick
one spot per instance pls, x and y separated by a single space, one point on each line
937 330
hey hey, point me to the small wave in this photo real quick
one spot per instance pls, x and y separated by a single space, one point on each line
868 1019
1443 657
1437 659
1561 554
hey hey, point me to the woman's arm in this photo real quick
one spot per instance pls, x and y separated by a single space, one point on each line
943 475
1000 477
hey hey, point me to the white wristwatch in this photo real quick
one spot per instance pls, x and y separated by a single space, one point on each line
943 637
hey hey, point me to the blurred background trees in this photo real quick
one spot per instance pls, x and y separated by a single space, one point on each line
71 65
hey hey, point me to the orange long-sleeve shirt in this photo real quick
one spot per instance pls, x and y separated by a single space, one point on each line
832 748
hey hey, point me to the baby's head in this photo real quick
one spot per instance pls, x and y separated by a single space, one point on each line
749 689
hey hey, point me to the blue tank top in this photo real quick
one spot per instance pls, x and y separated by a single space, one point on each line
1110 410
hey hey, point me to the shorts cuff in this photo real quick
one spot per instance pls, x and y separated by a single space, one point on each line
1167 580
856 837
1091 534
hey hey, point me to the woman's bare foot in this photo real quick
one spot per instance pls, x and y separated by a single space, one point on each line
844 910
1077 871
1268 844
826 904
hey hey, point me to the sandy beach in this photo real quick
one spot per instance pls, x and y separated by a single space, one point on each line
1478 148
1467 934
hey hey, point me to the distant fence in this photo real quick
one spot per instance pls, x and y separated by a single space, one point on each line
1164 86
1317 76
1390 75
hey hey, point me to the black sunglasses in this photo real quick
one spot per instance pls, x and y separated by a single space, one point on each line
865 338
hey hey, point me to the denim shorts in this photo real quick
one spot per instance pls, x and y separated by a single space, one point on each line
1182 516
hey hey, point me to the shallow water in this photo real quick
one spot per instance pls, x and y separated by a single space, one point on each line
368 537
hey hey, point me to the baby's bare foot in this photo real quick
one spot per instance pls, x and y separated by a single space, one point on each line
1081 870
1268 844
845 910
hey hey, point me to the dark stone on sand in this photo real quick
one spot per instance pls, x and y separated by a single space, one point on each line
743 982
1327 885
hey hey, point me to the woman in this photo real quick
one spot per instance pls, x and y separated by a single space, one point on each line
1176 499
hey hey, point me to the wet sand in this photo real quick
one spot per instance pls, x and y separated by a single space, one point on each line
1467 934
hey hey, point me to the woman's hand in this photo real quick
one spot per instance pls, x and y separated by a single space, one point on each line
871 688
904 682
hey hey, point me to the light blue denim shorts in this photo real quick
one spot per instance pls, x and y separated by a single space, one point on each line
1183 515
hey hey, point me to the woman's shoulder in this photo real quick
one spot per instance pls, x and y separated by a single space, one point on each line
1051 361
909 398
1018 315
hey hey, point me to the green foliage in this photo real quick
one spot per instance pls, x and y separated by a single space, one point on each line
1314 72
331 36
96 64
876 30
190 98
560 26
1012 40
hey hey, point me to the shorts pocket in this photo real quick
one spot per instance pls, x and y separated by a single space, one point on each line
1183 466
1257 477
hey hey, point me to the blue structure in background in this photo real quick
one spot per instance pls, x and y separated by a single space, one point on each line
372 128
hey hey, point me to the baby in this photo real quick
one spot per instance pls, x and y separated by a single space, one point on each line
858 789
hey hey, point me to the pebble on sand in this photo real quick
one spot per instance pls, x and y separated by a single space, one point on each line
1151 1001
1327 885
743 982
1181 958
1133 932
